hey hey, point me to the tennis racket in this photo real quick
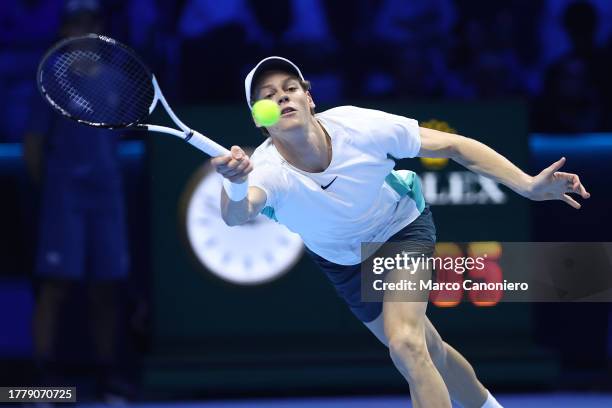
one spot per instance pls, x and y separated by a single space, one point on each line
100 82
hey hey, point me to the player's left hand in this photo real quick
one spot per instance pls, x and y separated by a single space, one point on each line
551 184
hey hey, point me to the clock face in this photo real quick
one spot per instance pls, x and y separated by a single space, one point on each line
256 252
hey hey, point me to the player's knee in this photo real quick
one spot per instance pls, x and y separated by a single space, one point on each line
407 347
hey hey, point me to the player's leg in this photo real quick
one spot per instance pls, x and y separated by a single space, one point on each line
405 330
457 373
408 346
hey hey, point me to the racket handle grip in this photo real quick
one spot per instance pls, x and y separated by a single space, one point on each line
206 145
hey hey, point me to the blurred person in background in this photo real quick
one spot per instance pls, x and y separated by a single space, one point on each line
351 29
301 28
250 29
554 41
23 23
409 40
205 28
82 232
573 92
489 55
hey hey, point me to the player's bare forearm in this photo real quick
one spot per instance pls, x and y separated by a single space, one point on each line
475 156
483 160
549 184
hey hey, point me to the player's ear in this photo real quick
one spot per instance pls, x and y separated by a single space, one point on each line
310 100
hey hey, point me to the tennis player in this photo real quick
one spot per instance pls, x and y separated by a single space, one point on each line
329 177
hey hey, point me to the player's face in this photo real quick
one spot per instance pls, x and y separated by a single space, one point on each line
295 103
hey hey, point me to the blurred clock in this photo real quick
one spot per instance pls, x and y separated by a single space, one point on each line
253 253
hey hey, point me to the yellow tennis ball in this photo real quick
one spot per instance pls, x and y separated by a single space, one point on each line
266 112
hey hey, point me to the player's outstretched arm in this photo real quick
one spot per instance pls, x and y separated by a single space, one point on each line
235 168
549 184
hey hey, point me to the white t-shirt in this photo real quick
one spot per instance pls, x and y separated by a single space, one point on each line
364 200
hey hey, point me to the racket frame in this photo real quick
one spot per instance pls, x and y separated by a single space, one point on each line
187 134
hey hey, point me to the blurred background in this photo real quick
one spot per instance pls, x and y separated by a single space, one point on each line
110 276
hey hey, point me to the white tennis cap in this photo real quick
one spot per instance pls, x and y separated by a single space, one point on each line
267 64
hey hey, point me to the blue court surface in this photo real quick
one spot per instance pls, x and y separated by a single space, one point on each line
523 401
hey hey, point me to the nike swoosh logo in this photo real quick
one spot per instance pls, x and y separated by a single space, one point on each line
330 183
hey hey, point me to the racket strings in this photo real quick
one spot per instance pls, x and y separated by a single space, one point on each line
135 96
98 82
61 67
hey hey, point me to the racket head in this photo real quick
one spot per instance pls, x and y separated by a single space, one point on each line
96 81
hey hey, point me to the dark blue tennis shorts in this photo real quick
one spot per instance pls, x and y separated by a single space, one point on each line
347 278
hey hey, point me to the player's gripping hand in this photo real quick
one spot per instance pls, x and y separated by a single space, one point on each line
234 167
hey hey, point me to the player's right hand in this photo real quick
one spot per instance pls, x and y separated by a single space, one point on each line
235 166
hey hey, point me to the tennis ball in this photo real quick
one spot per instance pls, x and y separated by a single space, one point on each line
266 112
